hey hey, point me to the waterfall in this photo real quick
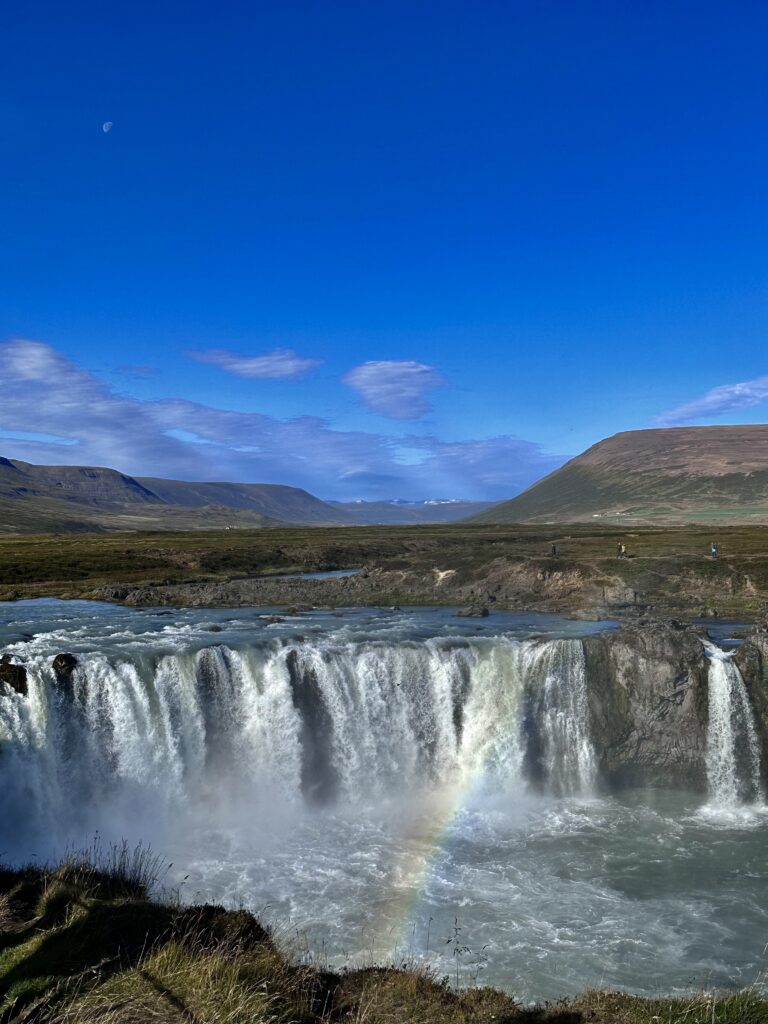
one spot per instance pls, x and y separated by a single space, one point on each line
284 723
560 705
733 747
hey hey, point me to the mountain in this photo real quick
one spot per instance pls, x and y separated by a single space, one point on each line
289 504
680 474
400 512
66 498
78 483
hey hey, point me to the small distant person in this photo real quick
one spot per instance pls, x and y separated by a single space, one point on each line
554 550
618 550
623 551
714 550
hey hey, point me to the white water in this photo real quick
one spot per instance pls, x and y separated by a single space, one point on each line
309 722
733 747
365 780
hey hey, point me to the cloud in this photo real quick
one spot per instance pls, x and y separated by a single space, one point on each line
717 401
43 390
279 364
78 419
395 389
500 465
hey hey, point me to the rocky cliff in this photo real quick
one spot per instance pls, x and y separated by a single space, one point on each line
647 688
752 661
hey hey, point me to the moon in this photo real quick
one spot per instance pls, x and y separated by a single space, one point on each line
107 127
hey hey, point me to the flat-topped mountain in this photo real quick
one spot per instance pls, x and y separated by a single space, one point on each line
288 504
63 498
680 474
45 499
79 483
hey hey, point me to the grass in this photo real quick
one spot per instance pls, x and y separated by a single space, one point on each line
85 942
667 567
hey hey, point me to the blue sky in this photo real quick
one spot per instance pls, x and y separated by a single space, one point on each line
378 250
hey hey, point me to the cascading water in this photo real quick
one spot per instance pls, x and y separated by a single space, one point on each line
368 778
733 747
309 722
561 720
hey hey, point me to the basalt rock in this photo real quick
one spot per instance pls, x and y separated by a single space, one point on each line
473 611
647 690
319 777
63 666
752 661
14 676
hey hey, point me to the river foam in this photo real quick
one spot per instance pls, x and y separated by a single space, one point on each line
365 781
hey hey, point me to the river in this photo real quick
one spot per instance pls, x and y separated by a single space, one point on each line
389 785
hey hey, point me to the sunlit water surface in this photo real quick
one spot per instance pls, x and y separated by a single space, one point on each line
545 897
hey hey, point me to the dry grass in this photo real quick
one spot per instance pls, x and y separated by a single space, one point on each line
178 983
668 569
78 946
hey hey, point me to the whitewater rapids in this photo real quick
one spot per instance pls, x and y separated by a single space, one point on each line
365 781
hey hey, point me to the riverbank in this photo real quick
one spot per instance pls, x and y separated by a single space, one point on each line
87 942
589 801
573 570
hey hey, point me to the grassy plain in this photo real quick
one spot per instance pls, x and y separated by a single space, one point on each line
666 566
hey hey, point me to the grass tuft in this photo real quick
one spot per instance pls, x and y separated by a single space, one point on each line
86 942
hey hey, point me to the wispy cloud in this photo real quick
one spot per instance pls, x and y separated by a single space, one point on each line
395 388
279 364
716 402
78 418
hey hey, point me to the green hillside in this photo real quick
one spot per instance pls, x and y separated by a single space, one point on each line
58 499
685 474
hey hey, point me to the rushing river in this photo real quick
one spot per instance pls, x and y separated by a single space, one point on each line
365 781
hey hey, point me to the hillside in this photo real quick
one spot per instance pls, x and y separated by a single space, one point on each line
676 475
79 483
37 499
64 499
290 504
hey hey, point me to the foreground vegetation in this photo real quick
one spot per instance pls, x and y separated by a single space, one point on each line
85 943
667 569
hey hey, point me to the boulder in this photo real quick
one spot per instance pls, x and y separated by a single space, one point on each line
14 676
473 611
63 666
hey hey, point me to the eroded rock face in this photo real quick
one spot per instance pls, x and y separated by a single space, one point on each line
64 665
752 661
14 676
319 778
647 691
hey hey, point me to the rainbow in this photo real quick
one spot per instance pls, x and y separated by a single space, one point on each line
423 838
